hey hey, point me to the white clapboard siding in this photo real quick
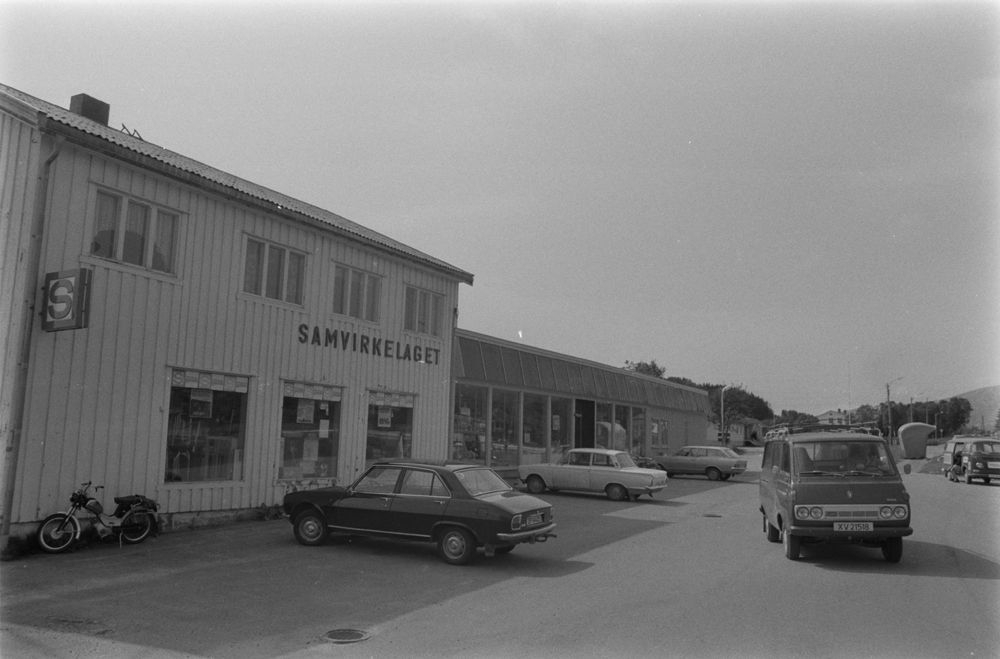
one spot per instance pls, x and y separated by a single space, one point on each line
98 397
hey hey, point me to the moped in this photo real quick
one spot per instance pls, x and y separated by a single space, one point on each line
133 521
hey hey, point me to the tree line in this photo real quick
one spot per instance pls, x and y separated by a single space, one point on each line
950 416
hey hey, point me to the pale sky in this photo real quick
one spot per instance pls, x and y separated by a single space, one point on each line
798 198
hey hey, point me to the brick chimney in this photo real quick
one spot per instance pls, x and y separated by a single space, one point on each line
90 107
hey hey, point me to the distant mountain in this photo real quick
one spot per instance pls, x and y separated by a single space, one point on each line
985 405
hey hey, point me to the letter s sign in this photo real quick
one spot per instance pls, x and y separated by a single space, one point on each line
67 297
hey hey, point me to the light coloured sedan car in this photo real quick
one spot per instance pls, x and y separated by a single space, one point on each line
716 462
594 470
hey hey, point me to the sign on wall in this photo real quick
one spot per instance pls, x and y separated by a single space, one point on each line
67 300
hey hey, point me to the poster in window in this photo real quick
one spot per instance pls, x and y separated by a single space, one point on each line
305 411
201 403
556 422
385 417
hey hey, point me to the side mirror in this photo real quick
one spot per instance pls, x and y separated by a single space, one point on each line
906 469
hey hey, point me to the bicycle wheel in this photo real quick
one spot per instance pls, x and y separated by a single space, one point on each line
57 533
136 526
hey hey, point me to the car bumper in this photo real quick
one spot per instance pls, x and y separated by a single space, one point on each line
829 533
649 489
532 535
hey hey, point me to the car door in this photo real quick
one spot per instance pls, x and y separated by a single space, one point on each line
574 474
420 503
685 462
603 470
368 502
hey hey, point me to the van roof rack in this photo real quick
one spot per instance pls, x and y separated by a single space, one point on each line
790 429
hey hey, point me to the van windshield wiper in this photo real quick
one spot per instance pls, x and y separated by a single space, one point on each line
817 472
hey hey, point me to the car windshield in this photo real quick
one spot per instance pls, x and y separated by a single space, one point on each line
842 458
481 481
624 460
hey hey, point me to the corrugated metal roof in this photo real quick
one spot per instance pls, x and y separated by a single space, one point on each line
266 196
480 360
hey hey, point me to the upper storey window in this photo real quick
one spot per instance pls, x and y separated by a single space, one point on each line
134 232
357 293
274 271
423 311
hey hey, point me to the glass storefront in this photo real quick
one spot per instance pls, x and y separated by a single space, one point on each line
206 427
638 446
469 439
620 439
390 427
562 411
603 431
506 426
533 439
310 436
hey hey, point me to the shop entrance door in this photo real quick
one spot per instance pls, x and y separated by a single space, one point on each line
584 431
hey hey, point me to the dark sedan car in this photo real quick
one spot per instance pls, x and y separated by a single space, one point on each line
460 507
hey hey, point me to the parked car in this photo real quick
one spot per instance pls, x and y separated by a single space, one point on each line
594 470
835 487
460 507
715 462
981 459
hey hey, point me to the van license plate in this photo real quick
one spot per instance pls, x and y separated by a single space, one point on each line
852 527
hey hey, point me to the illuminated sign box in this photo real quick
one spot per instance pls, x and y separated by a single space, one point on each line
67 300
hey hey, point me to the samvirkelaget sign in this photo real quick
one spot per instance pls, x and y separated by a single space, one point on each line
67 297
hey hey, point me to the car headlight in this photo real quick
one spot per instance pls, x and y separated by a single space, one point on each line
900 512
809 512
516 522
893 512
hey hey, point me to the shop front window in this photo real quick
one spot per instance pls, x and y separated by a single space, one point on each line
206 427
469 441
310 437
535 422
658 437
603 429
638 431
561 440
620 434
506 424
390 427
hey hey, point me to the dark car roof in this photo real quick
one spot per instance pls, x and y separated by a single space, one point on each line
438 465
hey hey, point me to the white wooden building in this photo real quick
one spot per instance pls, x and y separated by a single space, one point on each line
176 331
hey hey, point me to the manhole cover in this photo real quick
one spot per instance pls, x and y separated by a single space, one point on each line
346 636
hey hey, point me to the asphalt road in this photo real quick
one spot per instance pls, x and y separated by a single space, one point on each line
688 573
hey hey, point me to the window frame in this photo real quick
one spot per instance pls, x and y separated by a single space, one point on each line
280 285
128 213
357 293
423 311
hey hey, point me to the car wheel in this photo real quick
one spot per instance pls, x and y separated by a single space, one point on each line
535 484
616 492
792 544
773 534
456 546
892 550
713 474
725 477
310 528
986 480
